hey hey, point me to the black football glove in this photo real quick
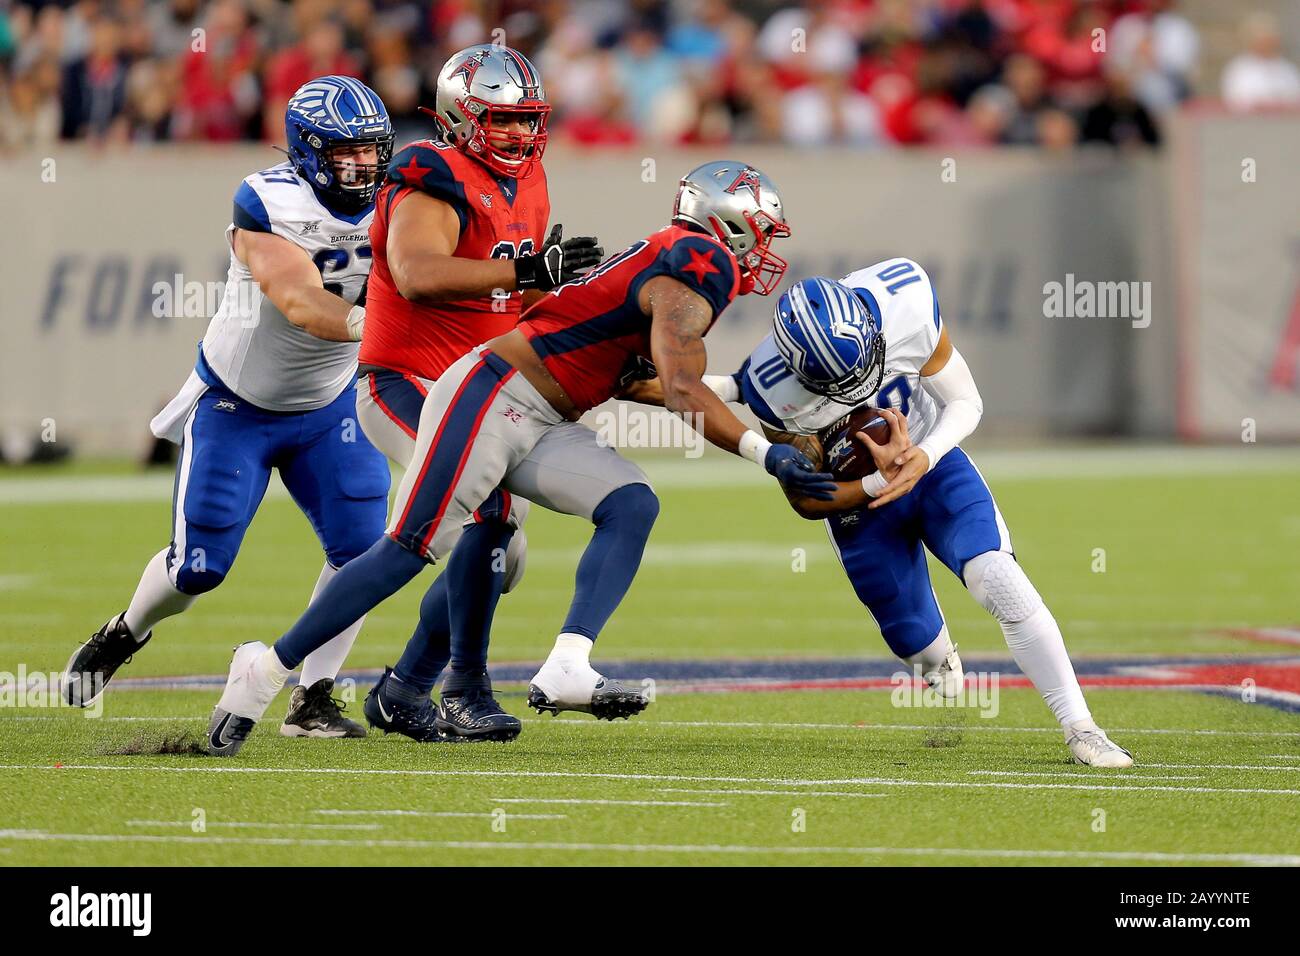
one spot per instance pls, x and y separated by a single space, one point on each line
794 471
558 262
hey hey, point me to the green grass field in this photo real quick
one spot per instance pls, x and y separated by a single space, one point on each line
1199 546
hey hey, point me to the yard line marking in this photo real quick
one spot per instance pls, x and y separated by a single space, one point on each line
618 803
1217 766
1081 776
784 725
776 793
576 775
1282 756
1258 859
74 711
436 813
250 825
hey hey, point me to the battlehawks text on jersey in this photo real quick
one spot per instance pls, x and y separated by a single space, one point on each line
899 294
500 218
250 346
588 330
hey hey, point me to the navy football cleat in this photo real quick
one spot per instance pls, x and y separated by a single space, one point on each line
469 712
394 709
227 733
95 662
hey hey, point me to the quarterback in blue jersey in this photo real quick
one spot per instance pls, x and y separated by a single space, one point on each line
273 389
877 339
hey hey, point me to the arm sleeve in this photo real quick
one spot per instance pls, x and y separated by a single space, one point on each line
960 407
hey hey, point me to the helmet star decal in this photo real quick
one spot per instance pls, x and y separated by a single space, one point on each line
747 178
470 66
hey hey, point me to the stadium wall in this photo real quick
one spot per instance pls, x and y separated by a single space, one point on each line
84 348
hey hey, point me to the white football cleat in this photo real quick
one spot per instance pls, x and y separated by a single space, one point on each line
1090 746
575 685
249 691
948 679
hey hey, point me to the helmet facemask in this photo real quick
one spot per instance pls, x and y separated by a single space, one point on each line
349 185
505 153
761 269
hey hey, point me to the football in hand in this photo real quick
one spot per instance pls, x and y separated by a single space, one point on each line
843 453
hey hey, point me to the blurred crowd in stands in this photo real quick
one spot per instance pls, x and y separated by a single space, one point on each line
863 73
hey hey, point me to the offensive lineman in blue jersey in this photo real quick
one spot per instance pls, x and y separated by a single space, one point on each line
876 338
272 388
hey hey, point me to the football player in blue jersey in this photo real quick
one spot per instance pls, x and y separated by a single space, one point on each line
876 339
273 389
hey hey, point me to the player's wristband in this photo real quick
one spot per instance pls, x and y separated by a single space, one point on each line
723 386
874 484
356 322
754 447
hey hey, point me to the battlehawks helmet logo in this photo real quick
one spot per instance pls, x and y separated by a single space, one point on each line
470 66
747 178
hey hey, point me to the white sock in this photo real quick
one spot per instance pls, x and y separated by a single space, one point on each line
269 666
1032 634
571 649
1039 649
327 660
933 654
155 599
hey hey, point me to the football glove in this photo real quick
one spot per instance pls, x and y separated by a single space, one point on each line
559 261
794 471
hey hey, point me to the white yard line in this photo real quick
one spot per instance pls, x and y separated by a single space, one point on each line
787 725
255 825
1258 859
1216 766
777 793
437 813
614 803
1080 776
683 778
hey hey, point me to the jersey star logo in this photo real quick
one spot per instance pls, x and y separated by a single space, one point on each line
413 172
700 266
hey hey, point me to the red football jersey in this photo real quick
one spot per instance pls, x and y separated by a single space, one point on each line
587 331
500 218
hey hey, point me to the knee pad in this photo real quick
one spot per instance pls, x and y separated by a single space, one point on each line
997 581
200 571
634 506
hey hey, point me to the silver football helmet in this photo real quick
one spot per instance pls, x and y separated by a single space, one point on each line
485 79
741 206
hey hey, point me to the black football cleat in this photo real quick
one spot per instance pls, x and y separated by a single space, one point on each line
610 700
469 712
315 712
398 710
94 663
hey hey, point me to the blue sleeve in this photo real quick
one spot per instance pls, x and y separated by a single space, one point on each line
250 211
749 394
422 167
706 268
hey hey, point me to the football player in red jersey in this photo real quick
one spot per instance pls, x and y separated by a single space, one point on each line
505 415
457 238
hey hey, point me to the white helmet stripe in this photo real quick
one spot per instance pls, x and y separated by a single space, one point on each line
817 334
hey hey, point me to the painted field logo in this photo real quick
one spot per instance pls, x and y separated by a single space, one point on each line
75 909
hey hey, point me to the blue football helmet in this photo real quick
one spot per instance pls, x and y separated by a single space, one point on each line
830 339
332 112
